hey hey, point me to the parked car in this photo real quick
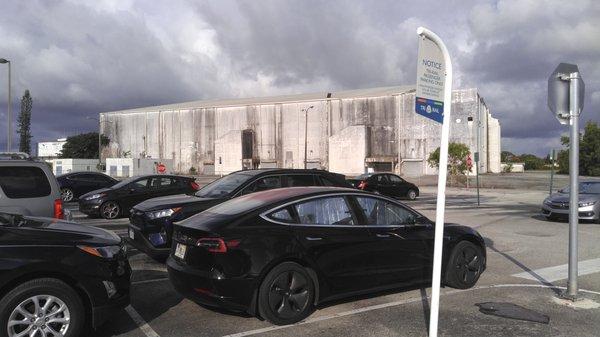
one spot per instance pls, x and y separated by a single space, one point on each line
556 206
115 201
151 221
56 275
387 184
28 187
277 254
73 185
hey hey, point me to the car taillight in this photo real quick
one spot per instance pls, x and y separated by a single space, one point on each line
58 209
362 185
194 185
216 245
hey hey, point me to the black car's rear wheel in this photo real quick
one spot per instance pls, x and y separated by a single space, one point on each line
42 307
286 295
411 194
464 266
110 210
66 194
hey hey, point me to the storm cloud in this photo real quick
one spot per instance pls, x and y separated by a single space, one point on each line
80 58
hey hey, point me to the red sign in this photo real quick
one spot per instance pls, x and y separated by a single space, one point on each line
469 161
161 168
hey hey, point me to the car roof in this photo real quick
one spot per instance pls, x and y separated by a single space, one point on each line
256 172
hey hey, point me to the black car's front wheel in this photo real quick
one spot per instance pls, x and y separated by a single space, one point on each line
411 194
464 266
42 307
67 194
110 210
286 295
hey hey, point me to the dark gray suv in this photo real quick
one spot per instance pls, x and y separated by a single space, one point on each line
28 187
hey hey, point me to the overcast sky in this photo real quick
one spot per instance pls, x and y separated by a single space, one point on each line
80 58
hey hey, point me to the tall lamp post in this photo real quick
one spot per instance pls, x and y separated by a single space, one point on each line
9 112
99 137
306 132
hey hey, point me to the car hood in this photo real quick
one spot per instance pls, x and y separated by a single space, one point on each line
178 200
564 197
52 231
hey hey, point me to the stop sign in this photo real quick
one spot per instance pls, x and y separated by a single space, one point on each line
469 162
161 168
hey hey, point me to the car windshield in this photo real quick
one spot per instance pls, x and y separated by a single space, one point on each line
363 176
223 186
586 188
124 182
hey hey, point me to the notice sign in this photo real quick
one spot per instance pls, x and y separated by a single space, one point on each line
431 75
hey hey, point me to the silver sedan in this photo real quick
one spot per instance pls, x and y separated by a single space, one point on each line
557 205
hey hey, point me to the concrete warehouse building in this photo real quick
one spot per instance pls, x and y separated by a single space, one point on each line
349 132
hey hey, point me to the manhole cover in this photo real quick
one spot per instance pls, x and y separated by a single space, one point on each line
513 311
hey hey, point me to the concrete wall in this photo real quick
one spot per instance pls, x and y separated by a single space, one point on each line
131 167
68 165
197 135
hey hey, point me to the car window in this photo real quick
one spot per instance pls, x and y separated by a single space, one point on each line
224 186
263 184
139 184
325 211
382 179
327 182
395 179
103 179
301 180
283 215
24 182
162 182
379 212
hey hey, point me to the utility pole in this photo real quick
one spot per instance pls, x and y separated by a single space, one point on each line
9 110
306 133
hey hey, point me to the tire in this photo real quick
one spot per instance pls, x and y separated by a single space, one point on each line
67 194
411 194
42 290
110 210
286 295
464 265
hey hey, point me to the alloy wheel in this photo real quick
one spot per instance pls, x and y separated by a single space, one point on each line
468 265
66 194
289 294
412 195
110 210
39 316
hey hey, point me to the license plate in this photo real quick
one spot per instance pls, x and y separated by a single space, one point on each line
131 234
180 250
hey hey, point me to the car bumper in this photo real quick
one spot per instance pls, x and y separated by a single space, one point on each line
234 294
585 213
90 207
139 240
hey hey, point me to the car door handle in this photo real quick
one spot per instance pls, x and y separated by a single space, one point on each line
379 235
313 238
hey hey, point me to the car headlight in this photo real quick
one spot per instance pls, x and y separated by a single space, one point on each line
95 196
163 213
587 203
107 252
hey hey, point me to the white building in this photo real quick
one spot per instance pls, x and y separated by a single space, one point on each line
348 132
131 167
68 165
49 150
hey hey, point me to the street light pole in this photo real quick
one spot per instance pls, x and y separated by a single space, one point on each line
9 111
306 132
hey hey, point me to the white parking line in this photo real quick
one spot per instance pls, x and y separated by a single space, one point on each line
396 303
551 274
146 329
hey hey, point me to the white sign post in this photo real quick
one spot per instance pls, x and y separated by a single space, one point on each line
434 101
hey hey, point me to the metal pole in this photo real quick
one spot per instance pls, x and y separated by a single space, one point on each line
441 194
305 135
552 154
574 106
99 143
9 126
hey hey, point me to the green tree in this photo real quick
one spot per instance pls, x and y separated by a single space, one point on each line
24 122
532 162
457 159
589 151
506 156
84 146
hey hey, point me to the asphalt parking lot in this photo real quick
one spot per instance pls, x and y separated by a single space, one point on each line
527 258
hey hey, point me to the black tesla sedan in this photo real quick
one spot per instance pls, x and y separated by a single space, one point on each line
151 221
54 276
387 184
278 253
73 185
115 201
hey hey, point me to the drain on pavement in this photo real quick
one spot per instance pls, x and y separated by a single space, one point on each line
510 310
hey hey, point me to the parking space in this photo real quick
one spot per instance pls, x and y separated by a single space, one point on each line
519 242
